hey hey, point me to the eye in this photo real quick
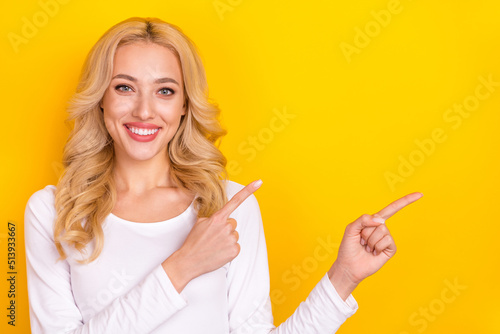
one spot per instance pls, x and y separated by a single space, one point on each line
166 91
123 88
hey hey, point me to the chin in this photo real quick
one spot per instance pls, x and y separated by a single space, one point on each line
145 156
142 157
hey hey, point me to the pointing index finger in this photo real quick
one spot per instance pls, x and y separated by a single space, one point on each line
398 204
239 198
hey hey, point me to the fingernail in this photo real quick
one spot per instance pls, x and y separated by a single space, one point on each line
367 249
363 242
257 184
379 220
375 252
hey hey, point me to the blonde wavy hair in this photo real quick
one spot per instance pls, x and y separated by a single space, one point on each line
86 192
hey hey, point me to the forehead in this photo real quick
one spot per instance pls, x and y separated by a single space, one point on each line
145 61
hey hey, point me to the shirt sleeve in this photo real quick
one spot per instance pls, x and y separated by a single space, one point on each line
52 307
249 302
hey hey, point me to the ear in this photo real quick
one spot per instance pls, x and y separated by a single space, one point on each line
184 107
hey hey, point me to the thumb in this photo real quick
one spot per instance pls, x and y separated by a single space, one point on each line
364 221
378 218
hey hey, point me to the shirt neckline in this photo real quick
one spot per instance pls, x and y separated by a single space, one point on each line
190 209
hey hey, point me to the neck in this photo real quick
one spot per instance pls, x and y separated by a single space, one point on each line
138 177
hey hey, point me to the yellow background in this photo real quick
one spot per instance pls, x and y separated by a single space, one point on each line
354 118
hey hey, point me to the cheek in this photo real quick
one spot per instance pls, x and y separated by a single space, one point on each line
113 114
115 104
177 120
172 113
115 109
110 125
107 122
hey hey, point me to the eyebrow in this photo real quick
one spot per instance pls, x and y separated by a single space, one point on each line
157 81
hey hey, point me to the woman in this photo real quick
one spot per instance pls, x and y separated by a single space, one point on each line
144 233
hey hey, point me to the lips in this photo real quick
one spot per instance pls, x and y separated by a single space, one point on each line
142 132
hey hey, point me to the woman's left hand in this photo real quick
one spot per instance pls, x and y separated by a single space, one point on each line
366 246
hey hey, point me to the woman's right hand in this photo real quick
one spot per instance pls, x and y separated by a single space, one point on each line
211 243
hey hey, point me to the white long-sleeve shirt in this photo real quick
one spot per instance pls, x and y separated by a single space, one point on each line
126 290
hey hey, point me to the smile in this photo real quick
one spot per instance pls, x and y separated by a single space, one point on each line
142 134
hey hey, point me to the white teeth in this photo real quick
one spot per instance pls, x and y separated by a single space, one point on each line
143 132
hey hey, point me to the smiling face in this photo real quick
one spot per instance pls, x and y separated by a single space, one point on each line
144 102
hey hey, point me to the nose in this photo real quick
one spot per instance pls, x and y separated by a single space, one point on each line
144 108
